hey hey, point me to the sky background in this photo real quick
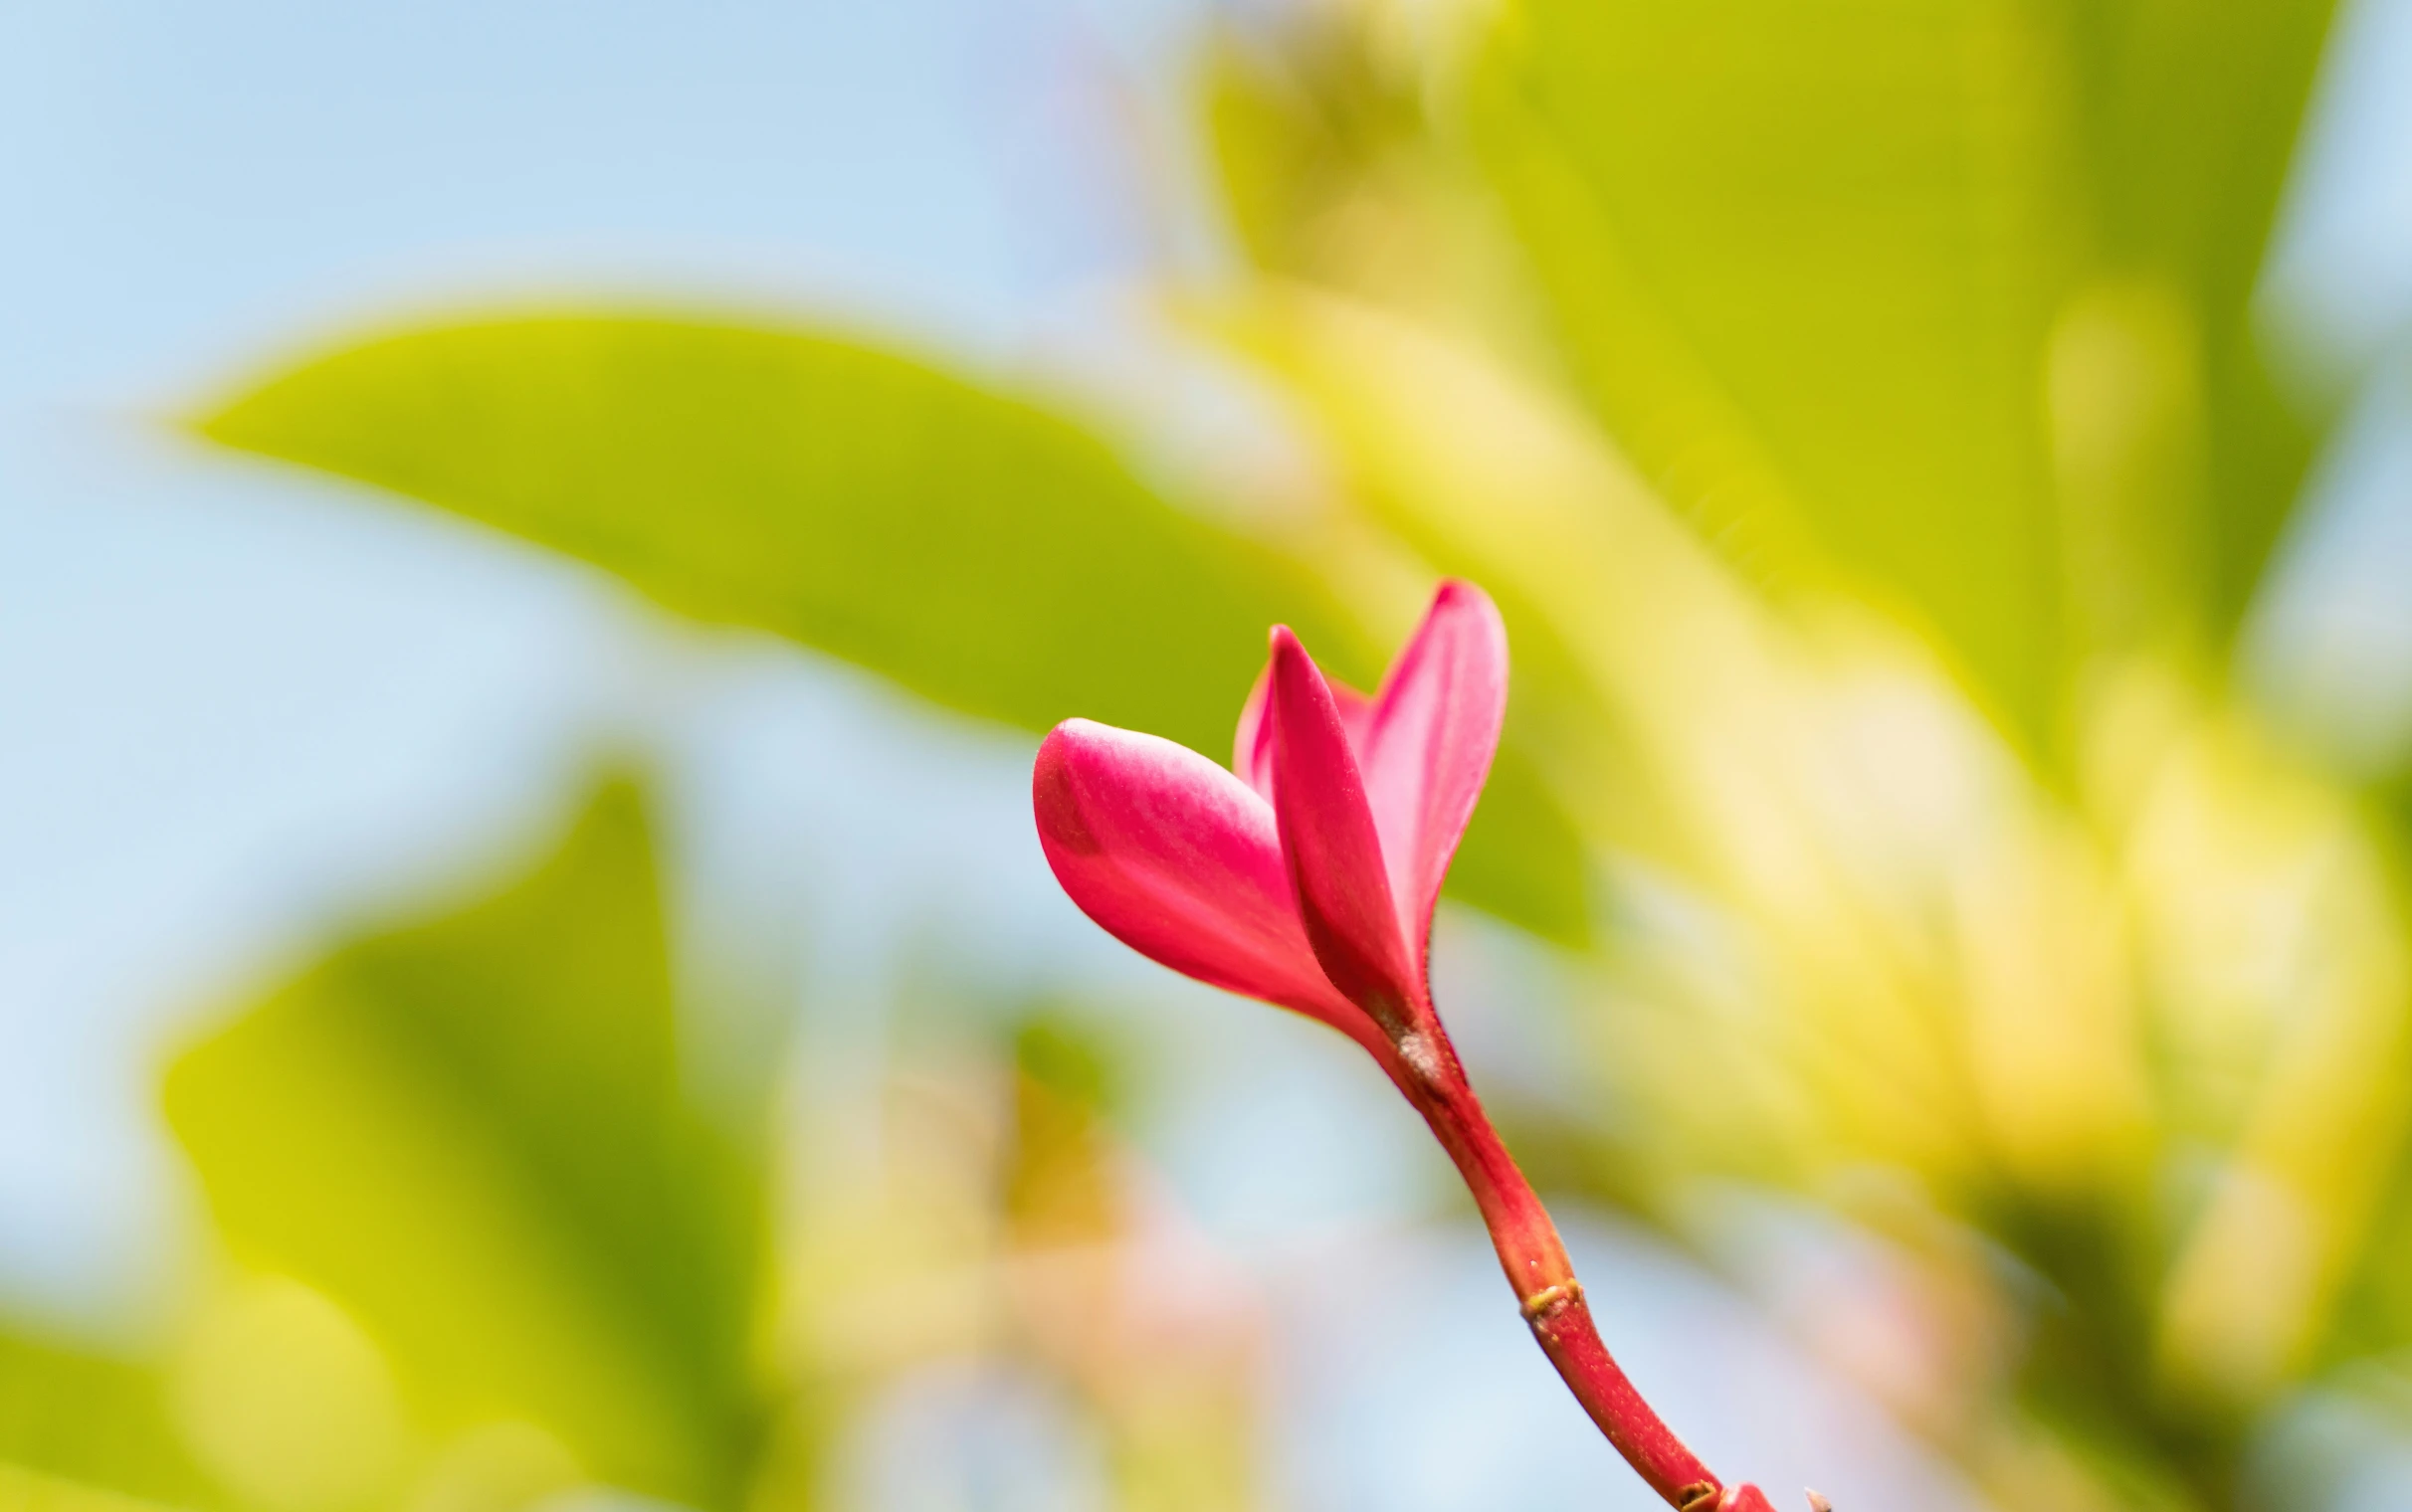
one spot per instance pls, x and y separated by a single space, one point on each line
233 718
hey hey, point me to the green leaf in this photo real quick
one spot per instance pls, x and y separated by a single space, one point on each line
23 1490
1805 257
2191 115
91 1420
977 549
981 551
1300 133
1279 160
471 1134
1522 858
1947 294
2373 1318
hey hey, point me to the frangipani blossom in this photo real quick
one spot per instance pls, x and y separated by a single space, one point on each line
1305 875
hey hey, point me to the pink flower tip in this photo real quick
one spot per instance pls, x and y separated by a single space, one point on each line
1307 874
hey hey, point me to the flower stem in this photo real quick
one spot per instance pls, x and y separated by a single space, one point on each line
1534 1258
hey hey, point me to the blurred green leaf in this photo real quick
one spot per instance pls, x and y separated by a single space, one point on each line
2190 114
91 1419
471 1134
1805 257
23 1490
1297 133
1831 272
981 551
2373 1318
1279 157
1522 858
978 549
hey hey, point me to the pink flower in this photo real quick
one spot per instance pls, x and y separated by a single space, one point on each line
1305 875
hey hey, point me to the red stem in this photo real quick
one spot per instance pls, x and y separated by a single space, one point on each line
1426 1069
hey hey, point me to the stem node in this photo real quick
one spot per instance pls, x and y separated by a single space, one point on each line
1538 1307
1422 1061
1553 1302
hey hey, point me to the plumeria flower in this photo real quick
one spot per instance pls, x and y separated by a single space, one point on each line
1305 875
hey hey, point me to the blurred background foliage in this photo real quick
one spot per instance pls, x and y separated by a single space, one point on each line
1864 414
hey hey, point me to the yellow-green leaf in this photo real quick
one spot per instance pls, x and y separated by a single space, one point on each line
976 548
980 551
93 1420
1947 295
471 1134
23 1490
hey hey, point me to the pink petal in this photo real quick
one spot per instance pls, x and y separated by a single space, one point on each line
1328 837
1252 750
1428 743
1176 858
